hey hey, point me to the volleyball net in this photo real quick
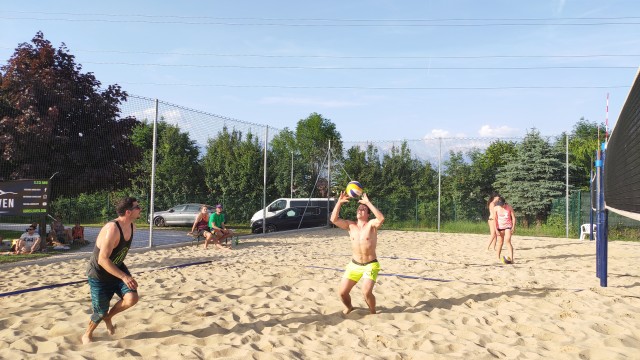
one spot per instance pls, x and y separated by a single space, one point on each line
622 175
617 180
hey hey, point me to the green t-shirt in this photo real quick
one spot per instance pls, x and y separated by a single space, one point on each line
216 219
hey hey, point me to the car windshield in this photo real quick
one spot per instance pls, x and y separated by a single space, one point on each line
278 205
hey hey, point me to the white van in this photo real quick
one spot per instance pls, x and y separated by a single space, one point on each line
284 203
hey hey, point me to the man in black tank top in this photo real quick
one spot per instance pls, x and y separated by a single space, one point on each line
107 273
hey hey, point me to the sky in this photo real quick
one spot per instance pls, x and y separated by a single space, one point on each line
379 70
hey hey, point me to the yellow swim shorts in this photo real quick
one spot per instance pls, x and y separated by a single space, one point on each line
355 270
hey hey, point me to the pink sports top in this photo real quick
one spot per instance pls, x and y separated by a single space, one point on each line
503 220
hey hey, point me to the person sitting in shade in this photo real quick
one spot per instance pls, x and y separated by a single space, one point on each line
29 242
77 234
59 232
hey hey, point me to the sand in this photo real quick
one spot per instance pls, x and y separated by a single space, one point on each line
438 295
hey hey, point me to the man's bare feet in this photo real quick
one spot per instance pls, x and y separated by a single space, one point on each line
86 339
347 310
371 311
110 328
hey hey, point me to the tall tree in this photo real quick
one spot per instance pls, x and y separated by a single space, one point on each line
360 165
583 143
484 167
427 194
398 179
280 166
179 175
56 119
459 186
312 139
233 173
532 178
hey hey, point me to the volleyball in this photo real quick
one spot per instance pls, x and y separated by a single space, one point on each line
354 189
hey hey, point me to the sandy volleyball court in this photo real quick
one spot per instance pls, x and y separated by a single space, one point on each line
439 296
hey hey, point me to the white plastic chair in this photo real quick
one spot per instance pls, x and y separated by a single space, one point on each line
584 231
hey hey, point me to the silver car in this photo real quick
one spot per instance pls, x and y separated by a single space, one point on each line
183 214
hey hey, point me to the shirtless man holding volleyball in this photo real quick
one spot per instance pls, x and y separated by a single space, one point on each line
364 238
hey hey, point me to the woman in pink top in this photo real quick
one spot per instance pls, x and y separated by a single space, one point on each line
505 220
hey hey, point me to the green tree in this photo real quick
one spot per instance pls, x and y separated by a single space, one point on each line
56 119
484 167
532 178
457 184
360 165
233 173
312 139
179 175
398 183
427 194
282 148
583 144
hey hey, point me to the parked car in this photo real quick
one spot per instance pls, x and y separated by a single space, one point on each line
183 214
292 218
280 204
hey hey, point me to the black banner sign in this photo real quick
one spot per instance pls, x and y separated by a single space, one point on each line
23 197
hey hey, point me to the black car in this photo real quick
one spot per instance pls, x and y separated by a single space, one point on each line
293 218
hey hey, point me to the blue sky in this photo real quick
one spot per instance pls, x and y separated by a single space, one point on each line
379 70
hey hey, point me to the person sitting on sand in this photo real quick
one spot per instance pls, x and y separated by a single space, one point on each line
59 232
29 242
77 234
364 238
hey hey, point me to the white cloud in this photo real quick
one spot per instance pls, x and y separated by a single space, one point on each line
438 133
308 102
173 116
500 131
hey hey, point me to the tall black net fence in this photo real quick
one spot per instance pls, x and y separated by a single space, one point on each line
168 155
423 182
93 155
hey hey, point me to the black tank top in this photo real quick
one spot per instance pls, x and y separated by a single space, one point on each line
94 270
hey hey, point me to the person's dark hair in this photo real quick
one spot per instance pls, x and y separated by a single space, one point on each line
124 205
491 196
500 201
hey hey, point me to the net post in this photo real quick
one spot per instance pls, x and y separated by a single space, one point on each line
601 221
